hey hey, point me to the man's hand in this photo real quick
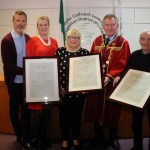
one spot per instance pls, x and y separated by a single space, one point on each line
116 80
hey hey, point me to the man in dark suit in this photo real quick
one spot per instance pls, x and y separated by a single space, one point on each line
13 47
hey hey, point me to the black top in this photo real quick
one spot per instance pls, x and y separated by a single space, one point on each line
139 61
64 55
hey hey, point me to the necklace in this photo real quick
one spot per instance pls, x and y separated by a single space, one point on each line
46 44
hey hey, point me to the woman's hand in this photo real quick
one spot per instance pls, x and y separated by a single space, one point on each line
106 81
62 91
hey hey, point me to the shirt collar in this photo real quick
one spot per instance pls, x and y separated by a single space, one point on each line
112 37
15 34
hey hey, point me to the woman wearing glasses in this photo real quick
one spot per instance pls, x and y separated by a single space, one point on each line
71 107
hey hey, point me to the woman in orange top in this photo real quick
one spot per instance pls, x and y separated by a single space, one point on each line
41 45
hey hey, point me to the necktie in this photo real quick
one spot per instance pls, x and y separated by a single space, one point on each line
107 41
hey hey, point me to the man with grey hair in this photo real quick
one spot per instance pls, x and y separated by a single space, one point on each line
115 52
139 60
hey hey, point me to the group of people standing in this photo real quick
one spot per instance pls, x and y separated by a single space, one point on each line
116 58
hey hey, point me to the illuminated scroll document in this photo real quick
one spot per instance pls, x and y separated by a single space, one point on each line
85 74
41 79
134 89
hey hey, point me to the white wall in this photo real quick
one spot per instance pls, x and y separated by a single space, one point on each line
15 4
134 15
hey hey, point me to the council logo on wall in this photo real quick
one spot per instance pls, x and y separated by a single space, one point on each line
87 23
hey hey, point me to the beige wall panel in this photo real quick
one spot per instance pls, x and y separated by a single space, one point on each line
127 15
53 14
132 32
31 16
142 15
6 17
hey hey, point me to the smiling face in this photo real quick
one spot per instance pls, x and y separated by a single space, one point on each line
110 25
73 40
43 26
145 42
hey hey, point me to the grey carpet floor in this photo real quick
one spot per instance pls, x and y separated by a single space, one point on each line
8 142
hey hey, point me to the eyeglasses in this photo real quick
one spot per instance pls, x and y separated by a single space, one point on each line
73 38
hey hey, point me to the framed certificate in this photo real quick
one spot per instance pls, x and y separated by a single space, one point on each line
85 74
134 89
41 79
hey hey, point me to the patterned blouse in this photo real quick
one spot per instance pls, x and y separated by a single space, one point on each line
63 54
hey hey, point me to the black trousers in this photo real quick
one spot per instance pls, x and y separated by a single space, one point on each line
41 122
70 111
137 121
19 113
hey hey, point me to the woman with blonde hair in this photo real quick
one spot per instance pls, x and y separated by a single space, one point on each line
41 45
71 107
